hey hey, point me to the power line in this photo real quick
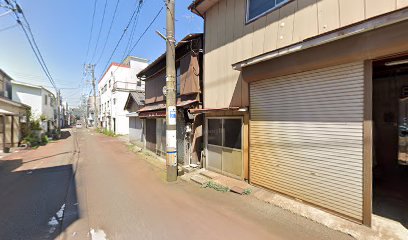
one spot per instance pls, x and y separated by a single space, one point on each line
139 8
9 27
92 26
121 37
141 36
109 31
100 30
35 49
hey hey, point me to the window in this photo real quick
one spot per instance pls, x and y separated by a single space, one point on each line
215 132
225 132
232 136
257 8
45 100
114 101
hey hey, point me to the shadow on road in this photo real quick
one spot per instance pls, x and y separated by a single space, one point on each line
65 135
33 202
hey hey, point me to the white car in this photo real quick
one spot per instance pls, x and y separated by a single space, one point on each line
78 125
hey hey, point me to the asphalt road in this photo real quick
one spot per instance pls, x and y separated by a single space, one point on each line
90 186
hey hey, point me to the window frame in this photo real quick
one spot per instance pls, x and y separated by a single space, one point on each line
223 132
247 20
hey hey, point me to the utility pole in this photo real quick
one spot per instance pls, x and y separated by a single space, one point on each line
171 110
58 110
91 68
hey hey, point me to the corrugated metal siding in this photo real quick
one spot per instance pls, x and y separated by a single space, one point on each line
306 136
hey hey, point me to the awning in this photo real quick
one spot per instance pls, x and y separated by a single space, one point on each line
132 114
207 110
7 113
161 106
153 114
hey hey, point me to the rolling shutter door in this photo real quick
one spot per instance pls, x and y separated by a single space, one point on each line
306 136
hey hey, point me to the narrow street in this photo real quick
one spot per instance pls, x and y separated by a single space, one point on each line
89 186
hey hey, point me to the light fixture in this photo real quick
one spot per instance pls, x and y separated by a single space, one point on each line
243 109
394 63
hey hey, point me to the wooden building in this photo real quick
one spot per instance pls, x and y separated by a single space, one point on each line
189 96
315 77
12 115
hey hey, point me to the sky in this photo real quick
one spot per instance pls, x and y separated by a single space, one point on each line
62 30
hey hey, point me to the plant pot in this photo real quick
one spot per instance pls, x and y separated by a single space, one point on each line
6 150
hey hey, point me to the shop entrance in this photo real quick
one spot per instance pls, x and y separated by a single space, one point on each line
390 139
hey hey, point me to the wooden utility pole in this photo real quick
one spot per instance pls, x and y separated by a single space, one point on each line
171 110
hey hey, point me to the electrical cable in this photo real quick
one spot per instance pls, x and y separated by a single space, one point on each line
92 26
109 31
100 30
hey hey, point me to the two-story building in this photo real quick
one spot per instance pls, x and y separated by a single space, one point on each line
310 97
41 100
13 115
189 96
113 88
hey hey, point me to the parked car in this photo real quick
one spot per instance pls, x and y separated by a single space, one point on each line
79 125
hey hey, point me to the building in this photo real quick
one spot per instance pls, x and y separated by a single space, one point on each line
321 86
13 115
133 104
41 100
113 88
189 96
91 110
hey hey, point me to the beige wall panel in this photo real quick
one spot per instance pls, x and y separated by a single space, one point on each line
271 31
8 131
351 11
402 3
209 60
377 7
239 21
285 27
328 15
221 52
258 36
305 20
306 135
229 55
247 40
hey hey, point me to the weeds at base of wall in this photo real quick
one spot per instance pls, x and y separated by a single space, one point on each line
106 132
216 186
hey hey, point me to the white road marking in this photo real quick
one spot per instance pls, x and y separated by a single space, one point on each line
98 234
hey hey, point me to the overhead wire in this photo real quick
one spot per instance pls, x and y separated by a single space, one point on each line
108 34
92 26
120 39
100 30
34 47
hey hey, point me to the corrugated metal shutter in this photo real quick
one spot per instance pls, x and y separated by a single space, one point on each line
306 137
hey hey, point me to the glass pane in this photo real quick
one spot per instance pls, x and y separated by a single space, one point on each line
258 7
214 132
232 131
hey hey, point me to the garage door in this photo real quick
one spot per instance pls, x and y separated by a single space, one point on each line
306 136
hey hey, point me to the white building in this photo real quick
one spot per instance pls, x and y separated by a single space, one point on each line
114 88
41 100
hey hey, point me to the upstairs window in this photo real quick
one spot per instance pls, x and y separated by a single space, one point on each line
45 100
258 8
178 79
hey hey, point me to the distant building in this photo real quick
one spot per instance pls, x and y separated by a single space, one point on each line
133 104
41 100
91 110
114 88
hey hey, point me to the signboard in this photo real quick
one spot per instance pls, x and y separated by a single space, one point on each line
172 115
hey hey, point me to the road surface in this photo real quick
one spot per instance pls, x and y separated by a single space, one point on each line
89 186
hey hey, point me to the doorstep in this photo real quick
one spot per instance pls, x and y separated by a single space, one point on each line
382 228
